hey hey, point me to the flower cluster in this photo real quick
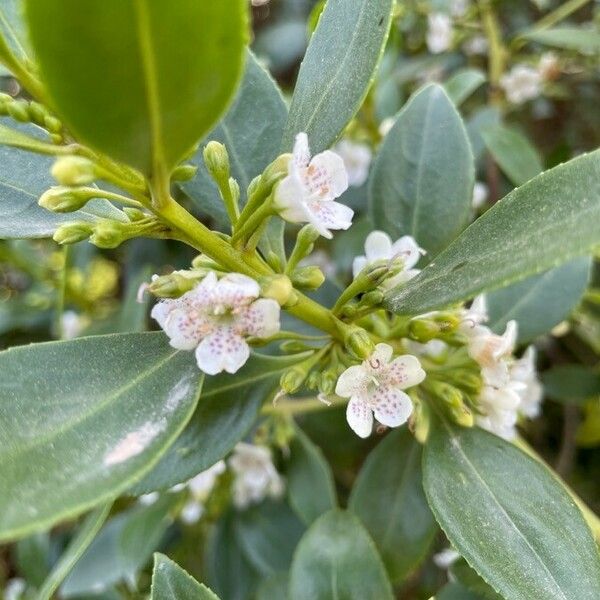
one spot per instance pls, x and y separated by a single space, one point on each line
525 82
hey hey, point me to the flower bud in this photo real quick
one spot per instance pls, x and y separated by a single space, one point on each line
63 199
108 234
277 287
309 278
420 421
71 233
234 188
423 330
134 214
37 113
184 173
52 124
292 380
19 111
373 298
327 383
276 170
294 347
173 285
216 160
359 343
73 170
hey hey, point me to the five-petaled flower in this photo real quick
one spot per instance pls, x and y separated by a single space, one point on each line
307 193
375 387
215 317
379 246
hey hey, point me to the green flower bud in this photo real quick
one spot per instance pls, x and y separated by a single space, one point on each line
37 112
234 188
174 285
277 287
312 383
52 124
309 278
294 347
420 421
373 298
253 186
73 170
184 173
19 111
216 160
108 234
291 381
423 330
71 233
63 199
327 383
359 343
277 169
134 214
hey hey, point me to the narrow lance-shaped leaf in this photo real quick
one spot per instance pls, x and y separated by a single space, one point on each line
337 70
82 420
336 558
171 582
228 409
551 219
569 38
251 132
541 302
388 498
509 517
414 188
140 80
463 83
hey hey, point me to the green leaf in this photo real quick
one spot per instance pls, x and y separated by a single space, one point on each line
82 420
509 517
461 571
414 188
274 587
513 152
455 591
251 131
571 383
463 83
482 118
76 548
24 177
138 79
388 498
228 409
16 139
268 534
551 219
336 558
123 546
310 486
541 302
579 39
337 70
171 582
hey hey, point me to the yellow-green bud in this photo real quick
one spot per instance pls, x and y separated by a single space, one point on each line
253 186
52 124
19 111
73 170
309 278
234 188
359 343
423 330
184 173
327 383
63 199
108 234
420 421
312 383
216 160
71 233
173 285
37 112
277 169
291 381
294 347
277 287
134 214
373 298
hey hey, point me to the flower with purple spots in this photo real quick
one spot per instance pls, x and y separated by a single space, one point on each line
375 388
215 318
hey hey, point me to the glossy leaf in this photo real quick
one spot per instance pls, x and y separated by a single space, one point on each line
82 420
123 546
336 558
74 551
310 485
24 177
568 38
136 79
463 83
227 410
268 534
513 152
388 498
571 383
509 517
251 132
482 118
171 582
541 302
551 219
337 70
414 189
460 571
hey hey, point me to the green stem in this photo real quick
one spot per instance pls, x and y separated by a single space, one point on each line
252 223
231 205
560 13
296 407
18 69
99 193
497 52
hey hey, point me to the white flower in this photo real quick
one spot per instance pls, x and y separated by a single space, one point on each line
499 408
523 371
379 246
474 316
386 125
478 44
439 32
480 194
215 317
307 193
432 348
458 8
202 484
446 558
71 325
549 66
522 83
357 159
148 499
191 512
375 387
255 475
14 589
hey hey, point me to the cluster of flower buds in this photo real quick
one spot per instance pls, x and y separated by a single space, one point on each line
25 111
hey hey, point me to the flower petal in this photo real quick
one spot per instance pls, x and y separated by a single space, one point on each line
289 200
381 354
301 151
378 246
236 290
202 294
392 407
222 350
326 176
161 311
408 250
359 263
260 319
352 381
330 215
185 329
359 417
405 371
